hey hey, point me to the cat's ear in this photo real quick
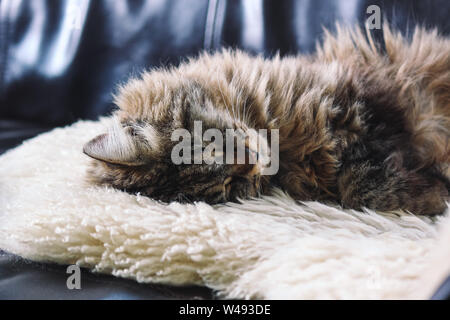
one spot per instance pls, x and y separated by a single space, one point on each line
114 148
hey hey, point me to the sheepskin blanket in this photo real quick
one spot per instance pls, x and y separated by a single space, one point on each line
270 248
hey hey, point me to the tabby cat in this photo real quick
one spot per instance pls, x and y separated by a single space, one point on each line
360 124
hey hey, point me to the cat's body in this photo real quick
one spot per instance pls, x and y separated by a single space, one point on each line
357 126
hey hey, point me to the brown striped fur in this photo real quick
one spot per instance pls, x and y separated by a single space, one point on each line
358 125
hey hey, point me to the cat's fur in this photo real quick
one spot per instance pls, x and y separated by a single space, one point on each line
358 125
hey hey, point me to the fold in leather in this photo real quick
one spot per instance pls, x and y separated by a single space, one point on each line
60 60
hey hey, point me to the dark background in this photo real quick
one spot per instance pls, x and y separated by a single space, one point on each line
60 60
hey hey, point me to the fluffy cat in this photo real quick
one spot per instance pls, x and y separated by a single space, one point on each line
360 124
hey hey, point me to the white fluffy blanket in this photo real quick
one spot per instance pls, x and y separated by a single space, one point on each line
271 248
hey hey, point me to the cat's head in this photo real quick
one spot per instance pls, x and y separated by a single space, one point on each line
139 154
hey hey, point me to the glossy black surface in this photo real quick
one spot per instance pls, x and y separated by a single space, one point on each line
60 60
443 292
23 279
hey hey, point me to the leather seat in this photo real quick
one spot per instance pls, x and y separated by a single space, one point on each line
60 61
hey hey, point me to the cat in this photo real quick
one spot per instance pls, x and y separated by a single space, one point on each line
360 123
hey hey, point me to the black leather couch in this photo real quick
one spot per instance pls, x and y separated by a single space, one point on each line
60 61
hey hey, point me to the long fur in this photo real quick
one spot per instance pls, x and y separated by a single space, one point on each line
267 248
359 126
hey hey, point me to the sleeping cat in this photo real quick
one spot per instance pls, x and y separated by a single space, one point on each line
359 124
